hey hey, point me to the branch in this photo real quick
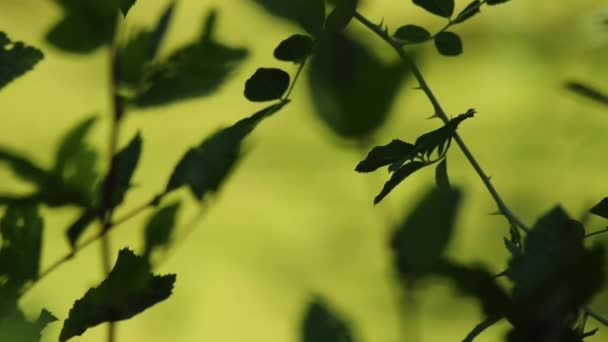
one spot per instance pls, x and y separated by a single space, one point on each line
502 207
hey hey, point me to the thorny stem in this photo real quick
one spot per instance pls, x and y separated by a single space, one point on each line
605 230
502 207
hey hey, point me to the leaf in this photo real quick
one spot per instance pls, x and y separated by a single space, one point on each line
321 324
352 89
159 228
601 209
309 14
21 228
125 6
266 85
421 238
129 289
468 12
294 49
195 70
439 140
412 34
441 175
119 177
78 227
398 177
16 59
134 57
205 167
340 17
15 327
448 43
442 8
23 167
496 2
384 155
588 92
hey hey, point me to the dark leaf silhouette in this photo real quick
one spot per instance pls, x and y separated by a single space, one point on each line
16 59
205 167
441 174
192 71
321 324
266 84
23 167
309 14
412 34
352 89
159 228
119 177
439 139
125 6
442 8
15 327
341 15
294 49
78 227
601 209
129 289
385 155
448 43
468 12
397 177
495 2
588 92
422 237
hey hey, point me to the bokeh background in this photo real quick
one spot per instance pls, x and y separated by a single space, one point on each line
295 219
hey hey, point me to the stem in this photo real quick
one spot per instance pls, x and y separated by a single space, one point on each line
295 79
439 112
605 230
595 315
481 327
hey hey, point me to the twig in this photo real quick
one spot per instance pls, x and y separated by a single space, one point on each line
502 207
481 327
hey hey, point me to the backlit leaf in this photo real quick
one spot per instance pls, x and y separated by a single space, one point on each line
321 324
341 15
16 59
442 8
397 177
15 327
119 177
125 6
468 12
412 34
309 14
294 49
441 174
448 43
495 2
385 155
159 228
601 209
266 84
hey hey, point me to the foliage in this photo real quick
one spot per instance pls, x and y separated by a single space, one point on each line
553 273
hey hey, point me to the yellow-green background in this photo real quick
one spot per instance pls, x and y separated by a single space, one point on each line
295 219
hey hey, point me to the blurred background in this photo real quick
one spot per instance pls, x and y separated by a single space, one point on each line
295 220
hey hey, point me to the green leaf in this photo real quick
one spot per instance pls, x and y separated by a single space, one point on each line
495 2
422 237
129 289
266 84
78 227
321 324
159 228
341 15
125 6
398 176
442 8
448 43
384 155
294 49
468 12
119 177
23 167
205 167
195 70
21 229
412 34
441 174
309 14
16 59
439 140
352 89
15 327
588 92
601 209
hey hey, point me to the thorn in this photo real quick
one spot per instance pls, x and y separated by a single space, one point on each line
496 213
417 88
381 22
434 116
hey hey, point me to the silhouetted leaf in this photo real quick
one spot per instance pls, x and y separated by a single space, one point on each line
398 177
384 155
16 59
15 327
495 2
412 34
588 92
119 178
205 167
601 209
192 71
443 8
129 289
352 89
78 227
125 6
468 12
341 15
23 167
513 249
21 228
85 26
159 228
439 140
141 49
321 324
294 49
266 84
424 234
309 14
448 43
441 175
